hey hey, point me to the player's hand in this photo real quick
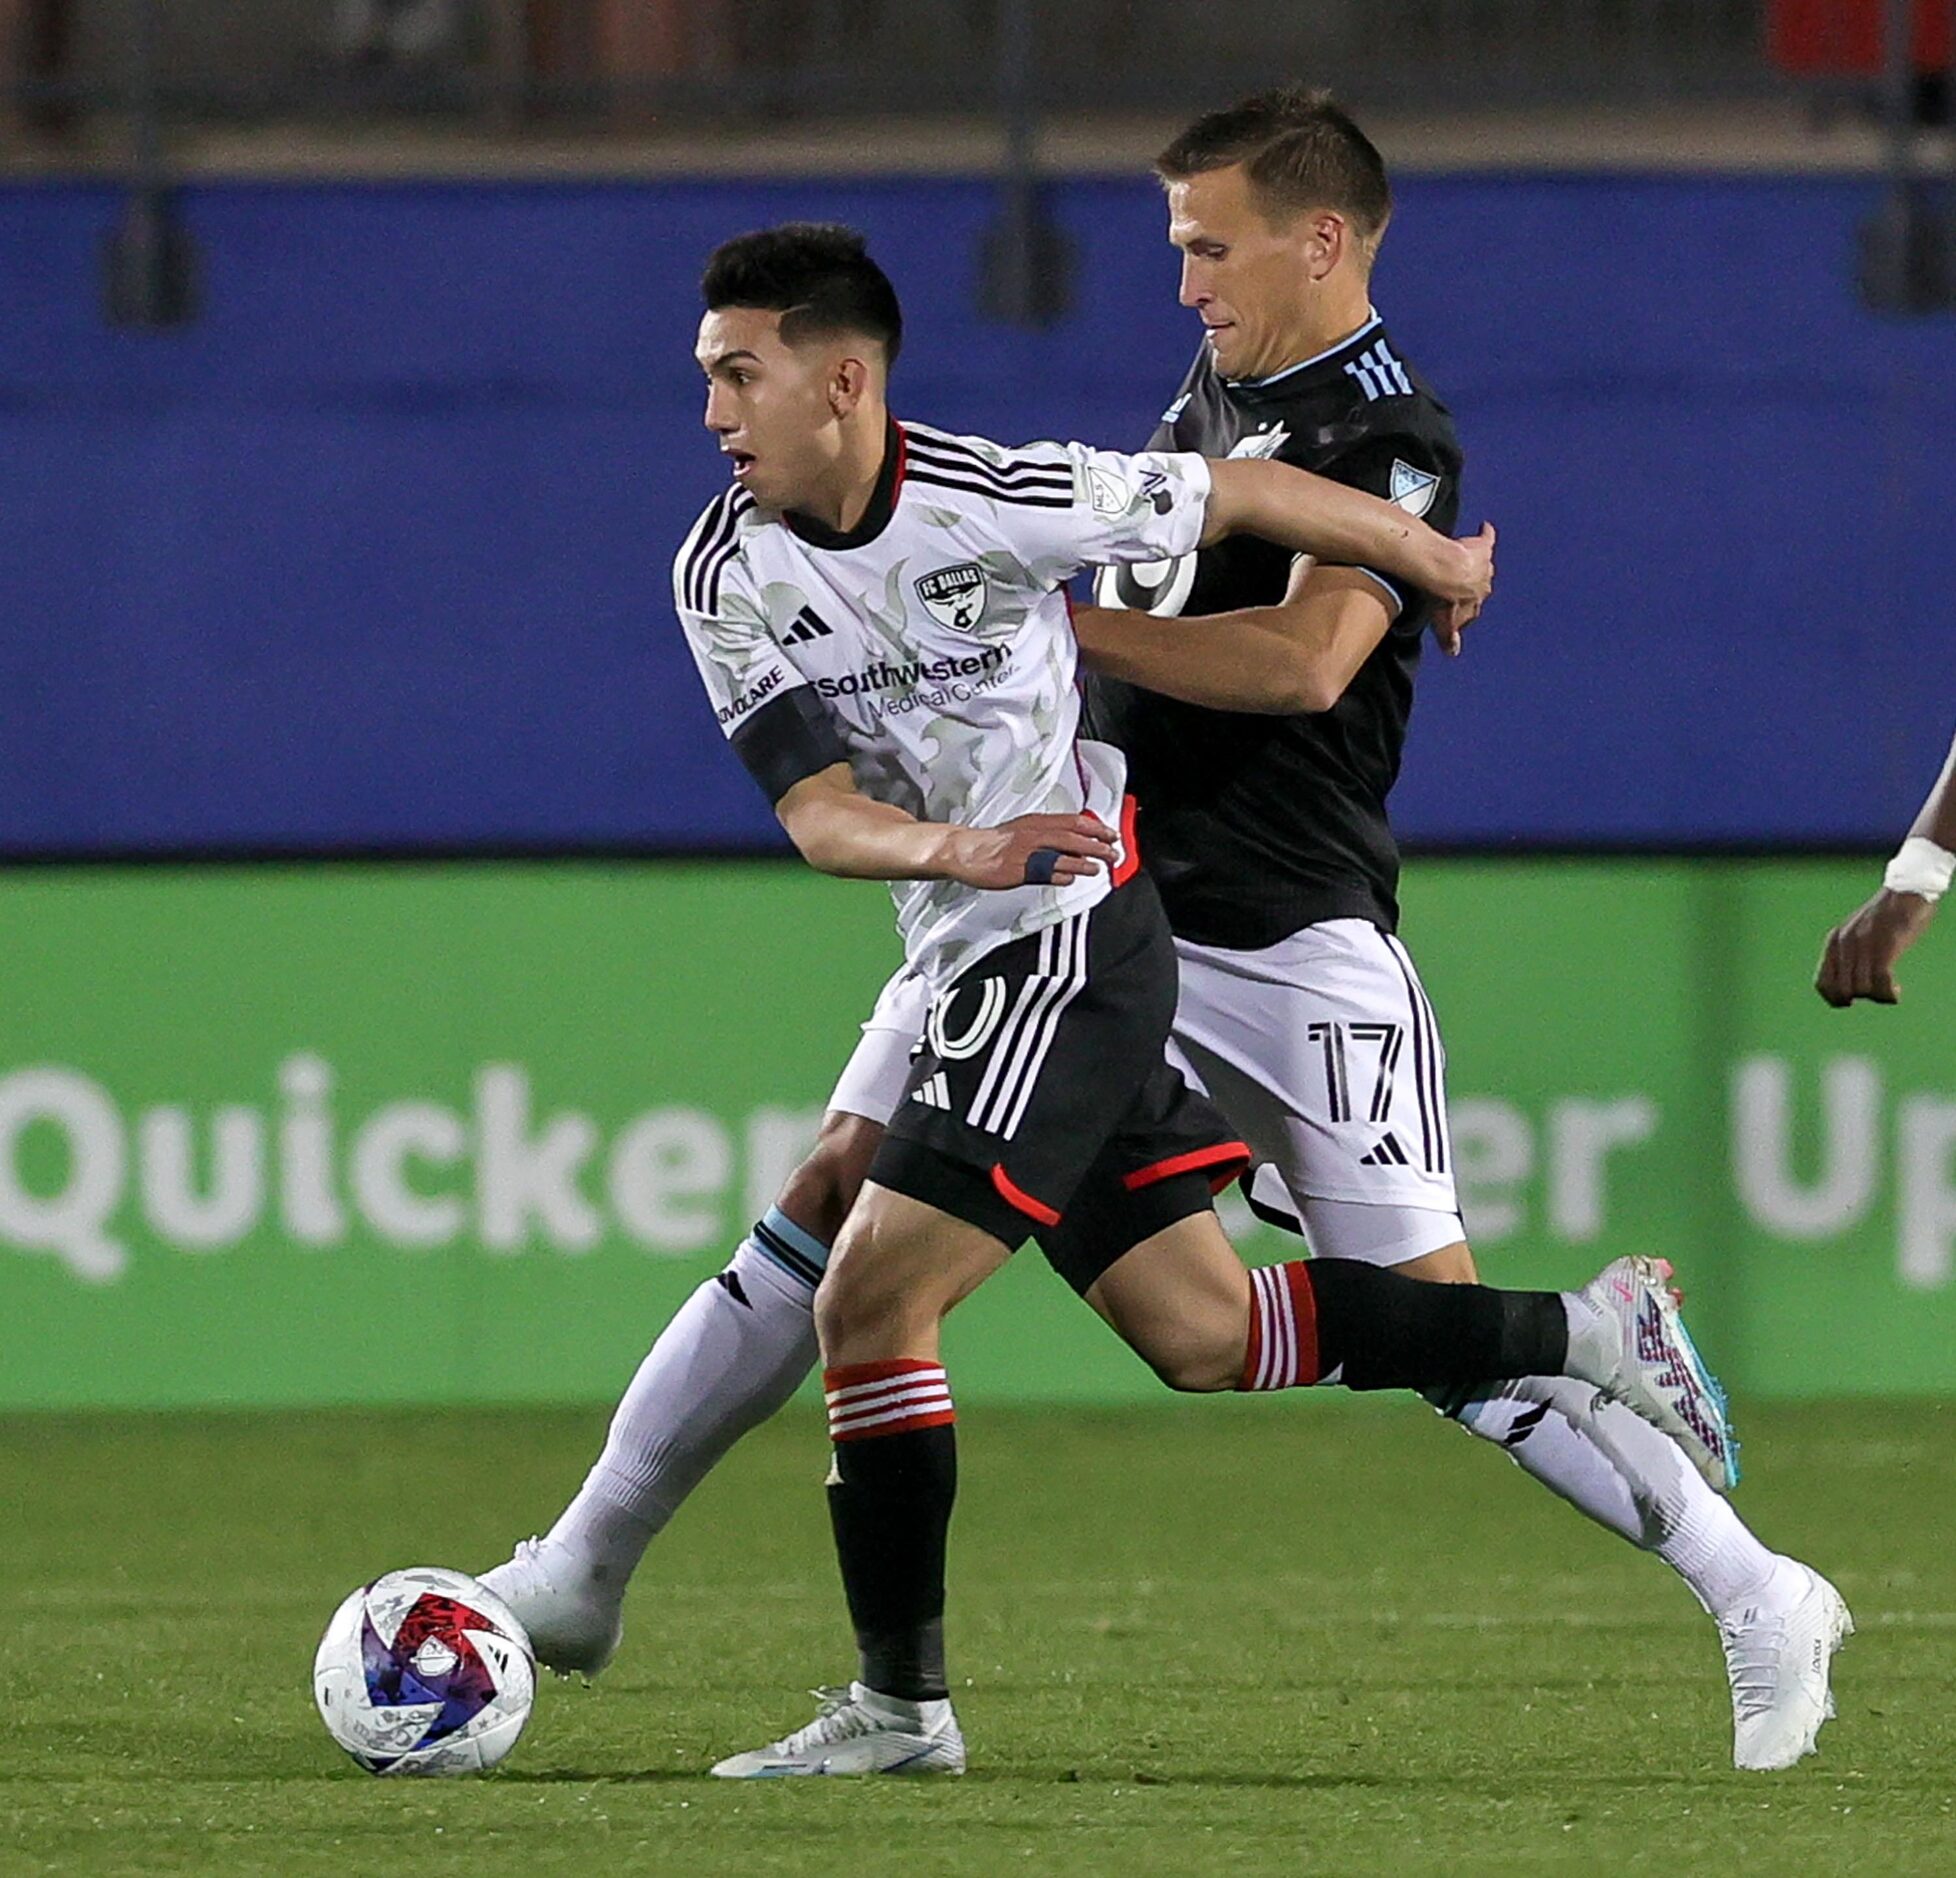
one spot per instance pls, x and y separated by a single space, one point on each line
1463 594
1450 620
1066 846
1858 960
1464 569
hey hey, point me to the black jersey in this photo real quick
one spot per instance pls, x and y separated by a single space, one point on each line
1256 827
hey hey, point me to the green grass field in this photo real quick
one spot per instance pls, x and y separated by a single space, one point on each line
1239 1638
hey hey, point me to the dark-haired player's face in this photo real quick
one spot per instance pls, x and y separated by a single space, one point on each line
769 405
1248 278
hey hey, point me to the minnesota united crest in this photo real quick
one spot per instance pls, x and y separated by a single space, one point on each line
954 596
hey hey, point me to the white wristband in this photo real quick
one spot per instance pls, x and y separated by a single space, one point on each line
1920 867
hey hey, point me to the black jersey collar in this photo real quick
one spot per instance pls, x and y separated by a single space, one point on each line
875 518
1332 359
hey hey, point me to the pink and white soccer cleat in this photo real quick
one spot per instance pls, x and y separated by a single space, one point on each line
1634 1347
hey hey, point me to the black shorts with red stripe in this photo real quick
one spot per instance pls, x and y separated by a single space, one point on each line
1041 1104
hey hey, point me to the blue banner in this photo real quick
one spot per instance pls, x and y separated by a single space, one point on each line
376 554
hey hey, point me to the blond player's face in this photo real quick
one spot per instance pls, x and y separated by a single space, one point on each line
1247 278
769 404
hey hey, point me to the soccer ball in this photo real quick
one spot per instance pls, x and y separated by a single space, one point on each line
424 1672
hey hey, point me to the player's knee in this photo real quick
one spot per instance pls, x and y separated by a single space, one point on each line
850 1301
876 1291
834 1314
817 1196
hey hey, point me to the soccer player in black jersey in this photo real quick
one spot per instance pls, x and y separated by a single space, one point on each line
1262 772
1265 786
1263 754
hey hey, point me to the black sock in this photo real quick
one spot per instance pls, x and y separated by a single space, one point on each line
1388 1331
890 1506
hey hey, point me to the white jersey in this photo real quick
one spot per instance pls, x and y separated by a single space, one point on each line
933 649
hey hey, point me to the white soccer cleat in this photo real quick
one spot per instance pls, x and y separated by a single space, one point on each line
1646 1360
1779 1650
574 1623
859 1732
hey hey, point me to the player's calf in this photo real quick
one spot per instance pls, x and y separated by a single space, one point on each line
1181 1300
1336 1320
1345 1321
730 1357
898 1266
1185 1303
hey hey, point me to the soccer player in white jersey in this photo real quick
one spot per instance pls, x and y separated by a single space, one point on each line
877 614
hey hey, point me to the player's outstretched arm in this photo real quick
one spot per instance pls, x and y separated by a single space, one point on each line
1859 958
839 830
1332 522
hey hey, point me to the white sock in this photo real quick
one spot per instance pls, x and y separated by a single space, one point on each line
1610 1463
735 1351
900 1710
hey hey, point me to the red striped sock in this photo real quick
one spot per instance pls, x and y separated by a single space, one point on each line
890 1398
1283 1352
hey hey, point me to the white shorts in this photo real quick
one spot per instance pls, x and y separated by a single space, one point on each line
1324 1051
1321 1049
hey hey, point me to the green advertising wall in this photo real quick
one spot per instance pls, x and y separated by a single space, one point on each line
448 1133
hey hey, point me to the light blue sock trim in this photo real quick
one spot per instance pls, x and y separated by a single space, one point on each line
810 1247
795 1251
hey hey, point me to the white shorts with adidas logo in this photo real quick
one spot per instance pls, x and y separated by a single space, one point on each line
1322 1051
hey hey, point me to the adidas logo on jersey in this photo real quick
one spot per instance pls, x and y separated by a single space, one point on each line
934 1092
1379 374
806 625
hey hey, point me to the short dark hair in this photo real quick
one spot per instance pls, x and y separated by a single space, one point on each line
817 275
1299 149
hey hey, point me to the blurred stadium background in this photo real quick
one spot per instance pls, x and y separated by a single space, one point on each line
384 916
404 1001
